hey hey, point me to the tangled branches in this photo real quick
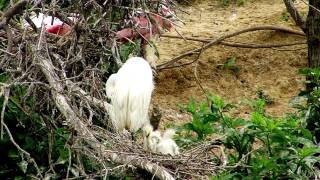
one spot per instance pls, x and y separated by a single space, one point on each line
65 77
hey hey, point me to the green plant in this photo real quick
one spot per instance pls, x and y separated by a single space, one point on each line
231 65
4 4
312 93
204 115
202 118
30 131
285 16
260 147
130 48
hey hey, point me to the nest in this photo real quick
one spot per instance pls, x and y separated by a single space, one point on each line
66 75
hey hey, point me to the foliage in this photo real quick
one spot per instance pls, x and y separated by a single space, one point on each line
37 134
133 48
285 16
32 139
260 147
204 115
231 64
312 109
3 4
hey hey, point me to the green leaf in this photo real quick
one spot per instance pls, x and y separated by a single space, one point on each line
216 101
3 5
63 157
18 178
230 62
23 165
308 151
13 154
30 143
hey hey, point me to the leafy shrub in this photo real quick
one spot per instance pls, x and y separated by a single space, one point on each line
312 109
260 147
36 133
204 114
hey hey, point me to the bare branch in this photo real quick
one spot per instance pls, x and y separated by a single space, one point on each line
4 105
237 44
295 14
221 38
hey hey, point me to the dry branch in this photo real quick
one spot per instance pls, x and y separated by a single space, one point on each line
66 75
236 44
221 38
4 105
295 14
77 124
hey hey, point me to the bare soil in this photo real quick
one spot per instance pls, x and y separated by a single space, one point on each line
272 70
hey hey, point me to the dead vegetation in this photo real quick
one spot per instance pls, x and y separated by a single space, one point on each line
66 76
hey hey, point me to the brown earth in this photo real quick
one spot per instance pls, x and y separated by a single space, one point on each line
273 70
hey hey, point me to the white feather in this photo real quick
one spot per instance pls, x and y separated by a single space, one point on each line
168 134
48 21
160 144
168 146
130 92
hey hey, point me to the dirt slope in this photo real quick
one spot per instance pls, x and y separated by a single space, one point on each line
272 70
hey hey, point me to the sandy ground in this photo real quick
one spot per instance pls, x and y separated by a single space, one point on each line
272 70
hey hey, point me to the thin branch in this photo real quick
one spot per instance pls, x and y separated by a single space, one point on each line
196 72
69 163
4 105
308 4
9 37
29 21
236 44
295 14
30 159
219 39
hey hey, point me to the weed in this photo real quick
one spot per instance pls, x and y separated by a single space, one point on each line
231 65
285 16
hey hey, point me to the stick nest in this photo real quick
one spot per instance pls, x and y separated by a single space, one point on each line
66 76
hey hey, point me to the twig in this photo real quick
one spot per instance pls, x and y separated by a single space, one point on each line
29 21
219 39
4 105
225 43
7 52
196 70
69 163
30 159
308 4
242 159
9 37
